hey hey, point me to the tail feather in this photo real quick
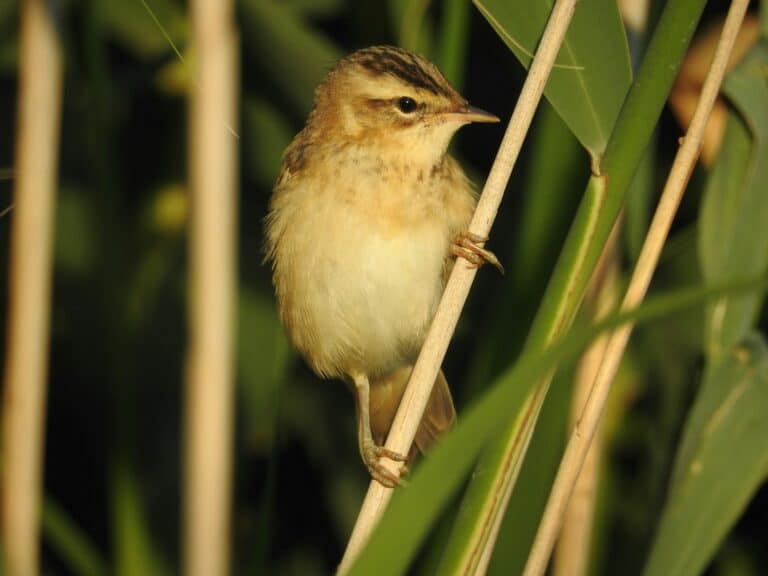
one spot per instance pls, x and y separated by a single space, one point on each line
439 415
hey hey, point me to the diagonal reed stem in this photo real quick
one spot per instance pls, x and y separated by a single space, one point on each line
457 289
674 188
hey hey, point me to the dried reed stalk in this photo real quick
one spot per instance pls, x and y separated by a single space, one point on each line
213 179
573 547
26 370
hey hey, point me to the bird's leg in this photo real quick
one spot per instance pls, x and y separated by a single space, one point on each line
369 450
468 246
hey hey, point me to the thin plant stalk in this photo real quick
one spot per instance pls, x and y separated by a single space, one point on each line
674 188
26 370
574 544
213 169
433 351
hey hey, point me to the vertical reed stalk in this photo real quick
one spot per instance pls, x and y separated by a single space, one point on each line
39 110
213 180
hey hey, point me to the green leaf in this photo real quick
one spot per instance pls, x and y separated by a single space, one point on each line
637 212
723 459
593 73
412 511
733 239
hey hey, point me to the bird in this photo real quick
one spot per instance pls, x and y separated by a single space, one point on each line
367 217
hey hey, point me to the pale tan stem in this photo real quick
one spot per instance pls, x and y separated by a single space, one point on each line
573 546
37 144
432 353
209 385
682 167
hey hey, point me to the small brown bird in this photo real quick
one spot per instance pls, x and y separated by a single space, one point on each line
366 217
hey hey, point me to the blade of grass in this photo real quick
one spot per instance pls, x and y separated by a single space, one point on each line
733 240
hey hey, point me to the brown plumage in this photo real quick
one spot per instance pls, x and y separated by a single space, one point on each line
366 216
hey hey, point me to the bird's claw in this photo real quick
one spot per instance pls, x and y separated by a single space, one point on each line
371 454
467 246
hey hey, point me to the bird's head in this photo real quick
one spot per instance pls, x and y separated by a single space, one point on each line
394 102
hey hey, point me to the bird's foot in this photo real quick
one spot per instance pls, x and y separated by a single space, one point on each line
468 246
371 453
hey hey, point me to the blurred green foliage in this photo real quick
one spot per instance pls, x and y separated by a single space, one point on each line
113 447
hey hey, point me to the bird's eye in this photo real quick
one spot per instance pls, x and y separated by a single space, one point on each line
406 105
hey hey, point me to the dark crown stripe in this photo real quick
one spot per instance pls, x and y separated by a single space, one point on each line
403 65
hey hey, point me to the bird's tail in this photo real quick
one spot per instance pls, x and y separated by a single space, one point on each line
439 415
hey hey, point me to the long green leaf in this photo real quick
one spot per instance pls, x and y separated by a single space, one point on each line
722 460
733 240
414 509
593 74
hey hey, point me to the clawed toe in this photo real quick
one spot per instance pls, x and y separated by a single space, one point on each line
467 246
371 454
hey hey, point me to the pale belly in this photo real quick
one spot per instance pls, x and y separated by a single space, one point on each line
366 293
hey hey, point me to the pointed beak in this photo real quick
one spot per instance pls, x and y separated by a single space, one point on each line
466 113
